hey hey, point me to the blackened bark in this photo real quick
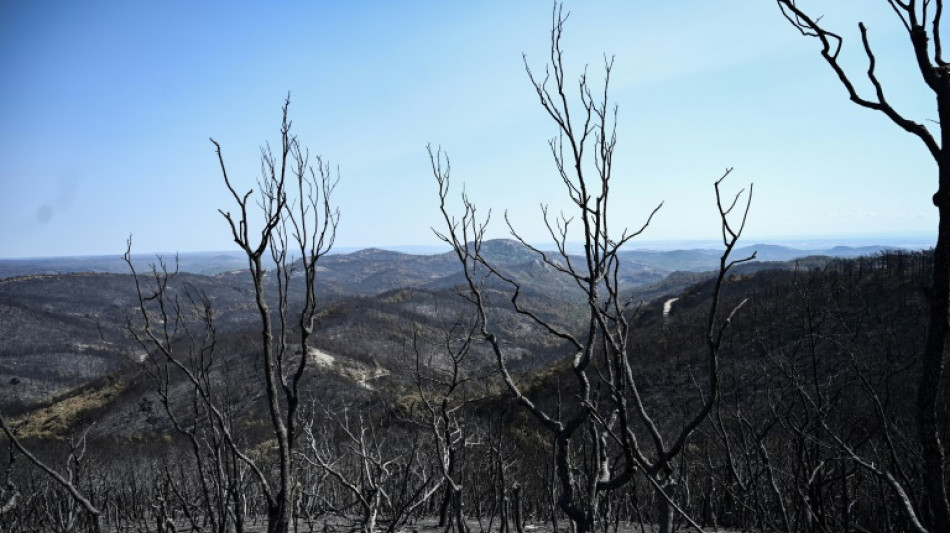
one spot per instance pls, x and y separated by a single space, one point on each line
923 28
932 367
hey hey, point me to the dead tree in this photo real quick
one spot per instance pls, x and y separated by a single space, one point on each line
298 227
921 19
441 387
303 224
385 480
9 494
597 446
176 329
68 480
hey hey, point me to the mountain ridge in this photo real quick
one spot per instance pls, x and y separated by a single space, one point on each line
501 251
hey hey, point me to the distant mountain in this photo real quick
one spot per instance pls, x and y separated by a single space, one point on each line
71 312
372 271
194 262
507 252
699 260
418 268
61 333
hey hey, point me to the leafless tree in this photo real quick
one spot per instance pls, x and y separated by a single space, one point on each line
298 227
922 21
385 479
176 330
9 494
597 446
68 480
442 382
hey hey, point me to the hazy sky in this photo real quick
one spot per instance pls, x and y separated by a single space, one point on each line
106 109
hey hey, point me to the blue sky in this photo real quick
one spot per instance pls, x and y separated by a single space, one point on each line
106 109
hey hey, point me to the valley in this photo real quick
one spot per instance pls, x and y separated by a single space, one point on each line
63 321
393 338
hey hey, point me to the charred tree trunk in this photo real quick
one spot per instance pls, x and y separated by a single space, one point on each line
933 361
922 22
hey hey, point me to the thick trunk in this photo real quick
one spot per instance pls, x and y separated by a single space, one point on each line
457 518
370 525
460 525
583 526
932 366
369 517
280 516
280 519
444 520
663 508
581 514
451 515
518 508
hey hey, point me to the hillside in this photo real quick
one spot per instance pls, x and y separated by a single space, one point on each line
61 330
820 349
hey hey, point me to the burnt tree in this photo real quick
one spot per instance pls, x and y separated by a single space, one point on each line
921 19
604 433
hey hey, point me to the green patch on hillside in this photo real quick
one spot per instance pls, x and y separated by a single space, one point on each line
54 420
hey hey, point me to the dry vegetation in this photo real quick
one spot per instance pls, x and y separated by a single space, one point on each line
498 388
71 410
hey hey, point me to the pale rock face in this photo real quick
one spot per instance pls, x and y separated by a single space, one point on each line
322 358
358 372
668 306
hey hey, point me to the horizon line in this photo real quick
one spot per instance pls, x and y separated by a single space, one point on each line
908 240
